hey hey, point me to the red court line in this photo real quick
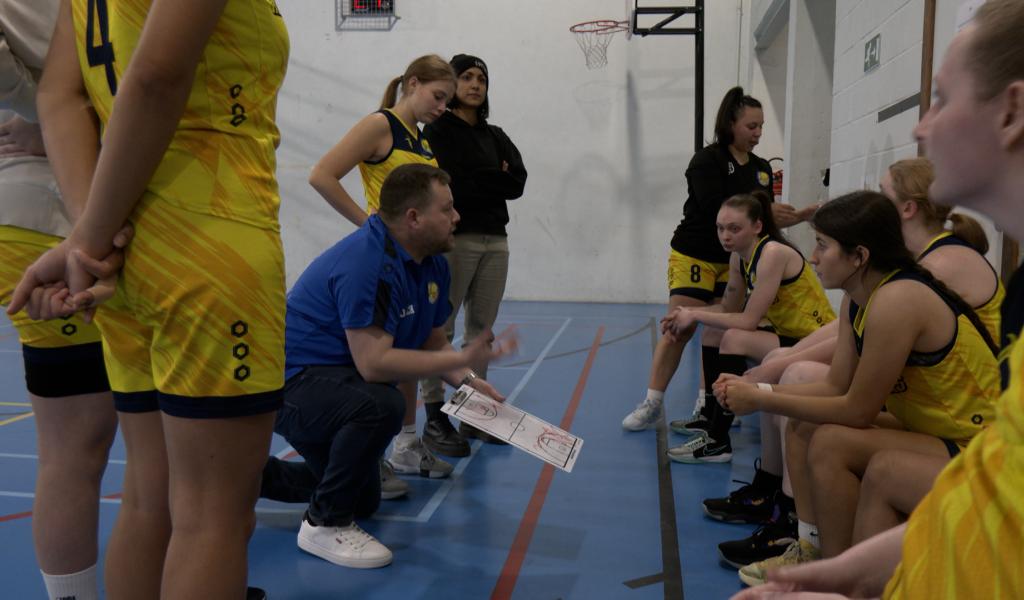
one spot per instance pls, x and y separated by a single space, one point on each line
15 516
517 553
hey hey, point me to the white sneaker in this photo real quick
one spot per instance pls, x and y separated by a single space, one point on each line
346 546
391 486
415 458
643 416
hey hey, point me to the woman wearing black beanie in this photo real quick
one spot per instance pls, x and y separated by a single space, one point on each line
486 171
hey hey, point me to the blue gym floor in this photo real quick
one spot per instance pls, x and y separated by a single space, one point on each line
627 523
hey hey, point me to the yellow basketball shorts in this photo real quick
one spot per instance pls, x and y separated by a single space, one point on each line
688 276
62 357
196 328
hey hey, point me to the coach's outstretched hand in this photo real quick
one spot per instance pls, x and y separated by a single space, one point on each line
486 347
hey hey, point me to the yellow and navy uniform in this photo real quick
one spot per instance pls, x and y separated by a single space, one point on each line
698 266
700 279
966 538
62 357
987 312
800 306
949 393
408 146
197 324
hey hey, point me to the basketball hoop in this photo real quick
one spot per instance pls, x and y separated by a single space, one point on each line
594 37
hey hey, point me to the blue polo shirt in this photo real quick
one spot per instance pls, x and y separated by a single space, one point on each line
366 279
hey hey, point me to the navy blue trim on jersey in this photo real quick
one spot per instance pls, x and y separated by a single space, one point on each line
915 358
951 447
947 240
221 407
137 402
401 139
748 274
705 296
1011 315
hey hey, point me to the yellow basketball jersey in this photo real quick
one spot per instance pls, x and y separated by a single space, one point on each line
408 146
987 312
949 393
800 306
221 159
966 538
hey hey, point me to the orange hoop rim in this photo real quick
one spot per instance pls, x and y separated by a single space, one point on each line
600 26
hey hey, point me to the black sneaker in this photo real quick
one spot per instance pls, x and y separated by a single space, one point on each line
441 437
255 593
768 541
702 449
472 432
753 503
698 422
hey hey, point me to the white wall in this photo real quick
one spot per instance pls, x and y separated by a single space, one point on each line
768 84
605 149
862 148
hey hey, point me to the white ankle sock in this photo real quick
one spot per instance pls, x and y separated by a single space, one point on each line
76 586
654 396
809 533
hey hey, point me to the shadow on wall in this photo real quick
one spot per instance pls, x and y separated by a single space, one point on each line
303 139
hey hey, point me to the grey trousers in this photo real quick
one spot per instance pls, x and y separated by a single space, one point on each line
479 265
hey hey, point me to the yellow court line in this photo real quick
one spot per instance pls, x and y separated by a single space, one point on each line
17 418
15 404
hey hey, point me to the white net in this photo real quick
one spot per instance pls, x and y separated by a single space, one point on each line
593 38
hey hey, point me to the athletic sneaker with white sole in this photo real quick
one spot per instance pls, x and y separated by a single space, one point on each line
347 546
417 459
391 486
701 449
643 416
699 421
798 553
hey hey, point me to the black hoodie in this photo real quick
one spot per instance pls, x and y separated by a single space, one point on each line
472 155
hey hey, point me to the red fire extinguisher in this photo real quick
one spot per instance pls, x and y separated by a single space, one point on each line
776 178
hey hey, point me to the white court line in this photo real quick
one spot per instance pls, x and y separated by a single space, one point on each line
112 461
497 368
442 492
5 351
32 496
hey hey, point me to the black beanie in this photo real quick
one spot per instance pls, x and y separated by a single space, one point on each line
463 62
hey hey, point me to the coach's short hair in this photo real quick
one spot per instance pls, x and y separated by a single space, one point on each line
408 186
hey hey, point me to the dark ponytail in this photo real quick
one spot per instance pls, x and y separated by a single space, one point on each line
729 112
871 220
757 205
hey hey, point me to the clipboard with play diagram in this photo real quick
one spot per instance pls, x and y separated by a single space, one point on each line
515 426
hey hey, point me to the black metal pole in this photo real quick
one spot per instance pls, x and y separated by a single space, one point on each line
699 77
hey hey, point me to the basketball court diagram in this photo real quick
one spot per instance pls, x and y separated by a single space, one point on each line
519 428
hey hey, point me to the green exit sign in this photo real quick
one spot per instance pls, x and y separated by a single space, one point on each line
872 53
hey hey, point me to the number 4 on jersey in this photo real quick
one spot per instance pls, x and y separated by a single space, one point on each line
103 54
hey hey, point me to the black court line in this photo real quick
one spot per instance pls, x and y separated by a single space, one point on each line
581 350
903 105
671 568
